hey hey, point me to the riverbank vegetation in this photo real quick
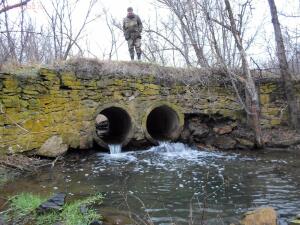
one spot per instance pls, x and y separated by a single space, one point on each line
22 209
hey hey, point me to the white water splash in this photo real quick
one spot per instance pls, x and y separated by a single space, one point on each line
173 151
115 149
166 145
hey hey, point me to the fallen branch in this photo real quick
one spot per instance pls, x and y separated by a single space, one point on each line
8 164
54 161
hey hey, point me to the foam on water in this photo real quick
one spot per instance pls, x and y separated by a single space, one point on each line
166 156
123 157
173 151
116 155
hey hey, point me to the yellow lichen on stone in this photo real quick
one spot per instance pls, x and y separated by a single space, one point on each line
151 92
117 96
119 82
267 88
140 87
69 80
275 122
10 84
153 86
11 101
264 99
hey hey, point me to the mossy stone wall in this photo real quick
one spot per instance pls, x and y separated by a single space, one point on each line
36 106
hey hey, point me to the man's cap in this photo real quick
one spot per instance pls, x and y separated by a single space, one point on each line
129 9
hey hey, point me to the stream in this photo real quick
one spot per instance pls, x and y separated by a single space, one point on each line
175 184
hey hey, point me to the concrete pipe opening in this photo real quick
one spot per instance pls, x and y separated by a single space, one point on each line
163 123
113 126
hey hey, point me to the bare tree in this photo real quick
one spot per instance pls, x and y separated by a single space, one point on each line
115 30
251 92
187 13
186 32
166 42
6 7
293 104
20 40
219 40
64 34
252 104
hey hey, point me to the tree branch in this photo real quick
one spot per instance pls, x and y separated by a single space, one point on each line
9 7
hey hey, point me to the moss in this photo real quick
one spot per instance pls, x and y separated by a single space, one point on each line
1 122
73 139
140 87
119 82
74 95
48 74
153 86
11 101
270 111
264 99
151 92
34 104
267 88
34 88
275 122
10 84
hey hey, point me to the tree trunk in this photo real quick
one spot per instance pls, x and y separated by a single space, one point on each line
251 93
292 101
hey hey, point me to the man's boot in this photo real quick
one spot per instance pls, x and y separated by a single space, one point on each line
131 56
139 56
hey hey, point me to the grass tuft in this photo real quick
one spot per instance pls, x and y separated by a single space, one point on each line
22 209
71 214
25 203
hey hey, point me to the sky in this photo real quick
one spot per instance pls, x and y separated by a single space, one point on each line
97 33
98 38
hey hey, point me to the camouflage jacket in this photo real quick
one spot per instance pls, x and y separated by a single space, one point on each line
132 27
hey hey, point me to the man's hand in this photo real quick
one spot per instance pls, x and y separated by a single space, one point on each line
127 36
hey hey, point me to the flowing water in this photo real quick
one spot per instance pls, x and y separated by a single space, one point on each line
174 184
115 149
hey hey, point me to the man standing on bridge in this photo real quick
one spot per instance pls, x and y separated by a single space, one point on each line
132 28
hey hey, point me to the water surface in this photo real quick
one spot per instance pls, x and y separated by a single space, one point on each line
176 184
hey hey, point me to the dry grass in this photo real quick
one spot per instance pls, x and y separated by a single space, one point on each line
91 68
86 68
12 67
23 162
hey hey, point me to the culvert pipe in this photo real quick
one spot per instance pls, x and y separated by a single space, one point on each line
113 126
163 123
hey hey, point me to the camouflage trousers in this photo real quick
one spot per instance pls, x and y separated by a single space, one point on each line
134 43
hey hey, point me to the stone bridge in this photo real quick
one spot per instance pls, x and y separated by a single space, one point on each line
142 102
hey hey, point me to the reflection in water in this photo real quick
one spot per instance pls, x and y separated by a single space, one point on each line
174 182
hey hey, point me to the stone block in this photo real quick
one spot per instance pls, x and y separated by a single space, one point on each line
264 99
53 147
261 216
